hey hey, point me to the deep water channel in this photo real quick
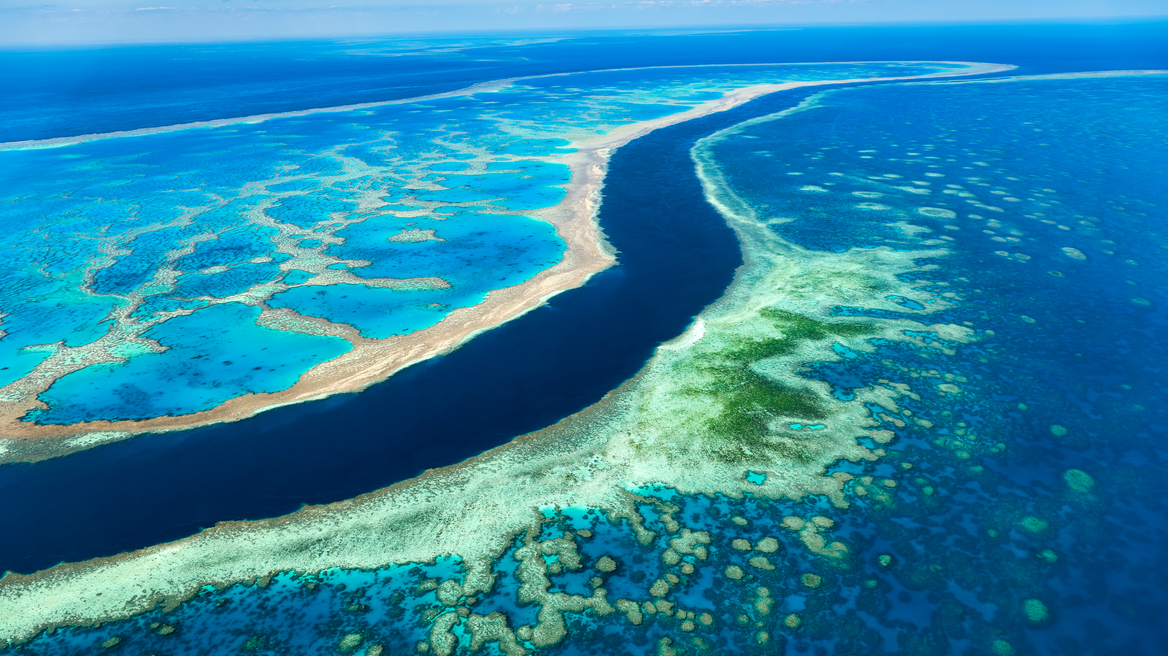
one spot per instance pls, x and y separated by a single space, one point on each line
676 255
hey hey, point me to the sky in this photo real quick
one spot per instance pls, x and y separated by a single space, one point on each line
136 21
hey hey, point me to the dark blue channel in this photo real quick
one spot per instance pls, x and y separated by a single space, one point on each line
677 255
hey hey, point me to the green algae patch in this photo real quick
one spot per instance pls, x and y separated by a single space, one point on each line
798 327
1058 431
751 401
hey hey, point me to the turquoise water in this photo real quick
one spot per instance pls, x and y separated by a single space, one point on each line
114 244
198 371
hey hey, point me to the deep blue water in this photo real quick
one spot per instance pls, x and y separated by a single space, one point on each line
54 93
558 359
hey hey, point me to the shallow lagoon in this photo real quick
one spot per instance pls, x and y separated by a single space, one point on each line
151 384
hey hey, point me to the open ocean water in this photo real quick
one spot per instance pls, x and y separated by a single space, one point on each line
1027 517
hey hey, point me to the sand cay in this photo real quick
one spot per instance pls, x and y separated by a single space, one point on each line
370 360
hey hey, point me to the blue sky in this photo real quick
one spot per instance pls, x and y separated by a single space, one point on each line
80 21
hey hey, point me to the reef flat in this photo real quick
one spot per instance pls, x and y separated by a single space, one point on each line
322 253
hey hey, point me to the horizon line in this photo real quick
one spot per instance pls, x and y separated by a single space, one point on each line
17 46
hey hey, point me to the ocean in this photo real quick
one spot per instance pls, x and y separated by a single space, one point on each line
1015 509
